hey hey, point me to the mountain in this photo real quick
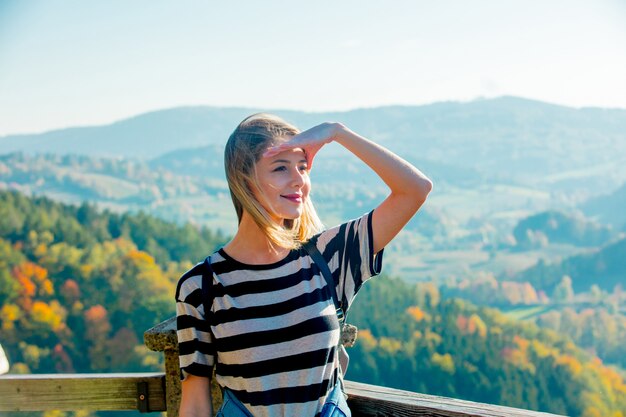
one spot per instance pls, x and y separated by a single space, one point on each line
204 161
605 267
147 135
560 227
493 163
608 208
504 139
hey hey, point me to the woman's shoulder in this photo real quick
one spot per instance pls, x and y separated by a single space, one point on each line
190 281
342 230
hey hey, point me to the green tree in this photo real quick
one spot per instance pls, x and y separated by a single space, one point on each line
563 293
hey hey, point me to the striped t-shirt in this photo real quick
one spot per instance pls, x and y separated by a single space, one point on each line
272 331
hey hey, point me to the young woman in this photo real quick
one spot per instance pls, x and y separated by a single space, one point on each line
272 330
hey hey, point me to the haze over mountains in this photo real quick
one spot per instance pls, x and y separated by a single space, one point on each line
507 138
494 162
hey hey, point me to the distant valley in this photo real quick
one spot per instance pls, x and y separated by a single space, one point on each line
494 163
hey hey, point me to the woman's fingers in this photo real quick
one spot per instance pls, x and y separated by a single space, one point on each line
294 142
309 151
271 152
275 150
309 154
311 141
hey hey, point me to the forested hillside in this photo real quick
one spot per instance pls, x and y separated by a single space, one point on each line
609 208
78 287
412 339
547 227
604 268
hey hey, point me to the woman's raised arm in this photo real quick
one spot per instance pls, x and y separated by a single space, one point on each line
409 186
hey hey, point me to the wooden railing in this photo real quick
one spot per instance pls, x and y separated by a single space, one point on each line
161 392
67 392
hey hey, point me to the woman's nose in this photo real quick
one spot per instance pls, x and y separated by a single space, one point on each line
297 178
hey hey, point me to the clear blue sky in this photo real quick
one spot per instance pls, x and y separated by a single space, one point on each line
68 63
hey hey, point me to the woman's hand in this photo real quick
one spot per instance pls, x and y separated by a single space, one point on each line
310 141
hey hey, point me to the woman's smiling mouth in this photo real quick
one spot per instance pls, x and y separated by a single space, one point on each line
294 198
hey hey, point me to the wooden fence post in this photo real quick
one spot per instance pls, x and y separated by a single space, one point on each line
162 338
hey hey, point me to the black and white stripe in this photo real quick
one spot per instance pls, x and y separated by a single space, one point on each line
272 331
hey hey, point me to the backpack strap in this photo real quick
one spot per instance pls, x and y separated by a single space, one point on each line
207 283
319 260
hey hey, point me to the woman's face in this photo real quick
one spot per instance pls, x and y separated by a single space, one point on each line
284 184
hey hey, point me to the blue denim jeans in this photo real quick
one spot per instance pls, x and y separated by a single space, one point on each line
335 405
232 407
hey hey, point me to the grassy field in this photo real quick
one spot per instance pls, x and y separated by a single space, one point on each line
423 263
440 265
489 200
528 312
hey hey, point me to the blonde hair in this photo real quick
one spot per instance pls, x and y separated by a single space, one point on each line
244 148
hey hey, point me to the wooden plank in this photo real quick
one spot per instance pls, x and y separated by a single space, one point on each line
372 400
66 392
119 392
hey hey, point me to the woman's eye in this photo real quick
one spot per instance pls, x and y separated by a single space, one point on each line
301 168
